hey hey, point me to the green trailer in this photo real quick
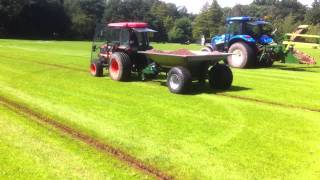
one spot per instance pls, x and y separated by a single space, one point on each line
181 70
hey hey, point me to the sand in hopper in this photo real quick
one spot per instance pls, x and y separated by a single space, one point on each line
182 52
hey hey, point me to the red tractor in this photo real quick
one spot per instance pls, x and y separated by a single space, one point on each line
124 49
118 46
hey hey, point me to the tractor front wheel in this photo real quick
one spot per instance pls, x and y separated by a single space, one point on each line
206 49
179 80
220 77
120 66
243 55
96 68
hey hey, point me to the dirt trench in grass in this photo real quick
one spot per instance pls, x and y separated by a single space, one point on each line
105 148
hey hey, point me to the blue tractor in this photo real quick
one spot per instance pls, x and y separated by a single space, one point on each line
251 42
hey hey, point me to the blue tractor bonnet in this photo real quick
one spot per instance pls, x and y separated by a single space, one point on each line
265 39
220 39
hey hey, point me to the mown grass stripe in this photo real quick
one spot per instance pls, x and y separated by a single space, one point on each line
268 102
59 66
105 148
291 78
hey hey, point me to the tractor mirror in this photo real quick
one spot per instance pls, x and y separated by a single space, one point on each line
94 48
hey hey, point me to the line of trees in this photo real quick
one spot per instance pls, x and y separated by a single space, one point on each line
77 19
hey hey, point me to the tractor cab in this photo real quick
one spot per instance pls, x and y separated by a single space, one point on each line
116 47
248 29
132 35
259 30
128 37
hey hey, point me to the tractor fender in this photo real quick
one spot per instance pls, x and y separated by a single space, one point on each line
216 40
242 38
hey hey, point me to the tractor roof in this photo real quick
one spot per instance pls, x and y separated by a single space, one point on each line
128 25
259 22
244 18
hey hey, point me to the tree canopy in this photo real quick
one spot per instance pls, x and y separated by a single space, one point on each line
77 19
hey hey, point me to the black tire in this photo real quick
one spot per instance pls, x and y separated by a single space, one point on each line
220 77
96 68
179 80
120 66
244 55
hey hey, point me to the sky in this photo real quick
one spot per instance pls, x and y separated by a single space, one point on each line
194 6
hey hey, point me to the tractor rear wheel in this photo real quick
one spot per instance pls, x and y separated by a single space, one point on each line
120 66
96 68
243 55
220 77
179 80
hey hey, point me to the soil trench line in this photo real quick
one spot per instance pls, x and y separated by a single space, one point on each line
59 66
268 102
62 66
102 147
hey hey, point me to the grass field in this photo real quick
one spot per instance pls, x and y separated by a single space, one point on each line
266 127
29 151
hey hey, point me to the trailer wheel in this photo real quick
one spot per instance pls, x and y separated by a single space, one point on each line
120 66
220 77
179 80
243 55
96 68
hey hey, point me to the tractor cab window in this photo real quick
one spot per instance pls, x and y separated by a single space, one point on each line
117 36
141 35
142 39
139 40
234 28
124 37
267 29
252 29
100 36
112 36
256 30
134 42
